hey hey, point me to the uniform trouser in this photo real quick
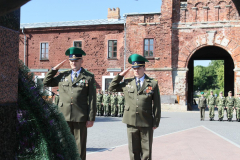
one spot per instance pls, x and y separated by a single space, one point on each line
99 107
230 112
238 112
211 111
221 111
202 112
140 142
120 108
107 109
114 109
79 131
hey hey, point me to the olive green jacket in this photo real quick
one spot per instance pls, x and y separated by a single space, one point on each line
221 101
106 99
139 110
114 100
230 101
77 101
202 102
120 100
211 100
99 99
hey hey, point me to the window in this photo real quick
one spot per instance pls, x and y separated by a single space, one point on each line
112 49
77 44
183 3
107 82
44 51
148 47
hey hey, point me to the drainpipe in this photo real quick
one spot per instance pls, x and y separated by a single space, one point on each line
24 46
125 38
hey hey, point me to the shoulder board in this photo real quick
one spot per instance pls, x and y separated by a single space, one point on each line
89 72
66 71
129 78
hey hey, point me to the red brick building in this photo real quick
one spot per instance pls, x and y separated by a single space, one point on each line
184 31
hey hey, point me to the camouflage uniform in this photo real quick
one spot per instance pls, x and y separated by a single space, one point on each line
220 101
121 100
211 102
230 101
99 104
237 105
202 104
114 102
106 101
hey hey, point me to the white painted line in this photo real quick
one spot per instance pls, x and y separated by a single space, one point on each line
222 137
107 149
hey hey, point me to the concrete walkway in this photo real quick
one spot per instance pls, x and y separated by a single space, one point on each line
194 143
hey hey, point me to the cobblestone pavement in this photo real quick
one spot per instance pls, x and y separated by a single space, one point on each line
109 132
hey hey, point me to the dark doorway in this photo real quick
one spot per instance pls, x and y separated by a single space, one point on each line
211 53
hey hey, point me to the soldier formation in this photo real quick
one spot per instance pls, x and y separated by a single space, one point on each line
110 104
227 104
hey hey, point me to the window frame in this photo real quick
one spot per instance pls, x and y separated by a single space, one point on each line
149 47
41 59
78 41
112 49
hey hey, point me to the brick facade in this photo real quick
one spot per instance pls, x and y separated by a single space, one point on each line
178 32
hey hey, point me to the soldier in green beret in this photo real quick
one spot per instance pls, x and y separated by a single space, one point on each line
56 100
120 104
99 103
211 102
230 102
113 104
106 104
221 101
142 112
237 105
202 104
77 92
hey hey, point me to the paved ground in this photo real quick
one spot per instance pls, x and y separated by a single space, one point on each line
180 136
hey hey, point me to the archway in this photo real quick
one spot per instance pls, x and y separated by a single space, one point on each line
211 53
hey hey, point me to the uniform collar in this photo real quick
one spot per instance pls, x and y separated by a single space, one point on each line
141 79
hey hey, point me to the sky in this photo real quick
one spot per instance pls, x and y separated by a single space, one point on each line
75 10
204 63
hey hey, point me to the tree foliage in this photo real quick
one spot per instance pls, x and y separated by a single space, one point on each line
210 77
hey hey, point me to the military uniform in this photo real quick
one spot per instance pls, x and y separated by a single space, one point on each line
220 101
237 105
99 104
114 105
230 101
202 104
120 105
106 102
142 112
77 101
211 102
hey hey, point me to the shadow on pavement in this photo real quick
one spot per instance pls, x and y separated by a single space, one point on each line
108 119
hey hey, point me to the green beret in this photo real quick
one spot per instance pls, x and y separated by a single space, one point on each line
202 92
74 53
137 60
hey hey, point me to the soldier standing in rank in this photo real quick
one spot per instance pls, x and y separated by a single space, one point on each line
120 104
106 103
202 104
237 105
142 112
77 92
211 102
220 101
230 102
56 100
99 103
114 104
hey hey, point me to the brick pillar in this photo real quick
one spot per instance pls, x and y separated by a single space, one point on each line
194 14
228 9
9 44
205 14
216 13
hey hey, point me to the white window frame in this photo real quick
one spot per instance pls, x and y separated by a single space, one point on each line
108 48
78 41
104 78
41 52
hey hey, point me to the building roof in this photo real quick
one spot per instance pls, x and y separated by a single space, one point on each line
73 23
132 14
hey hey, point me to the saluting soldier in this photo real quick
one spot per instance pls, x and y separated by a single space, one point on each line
99 103
221 101
237 105
77 92
120 104
230 101
211 102
143 108
56 100
114 104
106 103
202 104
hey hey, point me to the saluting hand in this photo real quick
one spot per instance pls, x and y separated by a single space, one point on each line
59 65
123 73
